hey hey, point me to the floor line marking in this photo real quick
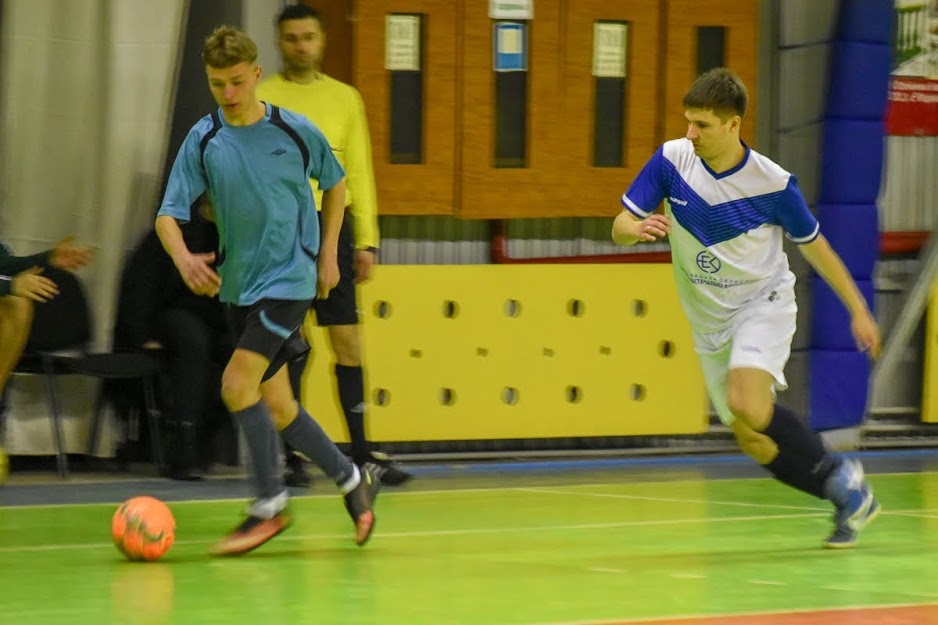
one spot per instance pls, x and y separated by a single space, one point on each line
921 513
557 491
710 618
451 532
386 493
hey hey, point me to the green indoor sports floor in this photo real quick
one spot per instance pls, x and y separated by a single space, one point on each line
690 541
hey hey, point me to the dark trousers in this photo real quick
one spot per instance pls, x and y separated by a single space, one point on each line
195 354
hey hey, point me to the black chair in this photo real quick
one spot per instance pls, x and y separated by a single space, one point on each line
58 345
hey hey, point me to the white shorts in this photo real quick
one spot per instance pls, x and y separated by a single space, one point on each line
759 338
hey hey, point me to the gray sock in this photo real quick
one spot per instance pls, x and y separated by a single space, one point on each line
304 435
262 439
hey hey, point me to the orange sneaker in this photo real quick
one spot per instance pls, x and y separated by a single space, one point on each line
251 534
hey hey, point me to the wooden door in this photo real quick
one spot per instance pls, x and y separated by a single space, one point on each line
537 188
336 16
686 25
598 186
426 187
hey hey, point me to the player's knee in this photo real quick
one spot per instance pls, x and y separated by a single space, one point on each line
234 393
18 311
751 410
282 410
346 344
230 395
759 448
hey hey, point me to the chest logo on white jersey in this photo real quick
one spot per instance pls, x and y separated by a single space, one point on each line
708 262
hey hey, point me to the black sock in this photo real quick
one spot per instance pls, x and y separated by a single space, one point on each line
794 438
794 470
352 397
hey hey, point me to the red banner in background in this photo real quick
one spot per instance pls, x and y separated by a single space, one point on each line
913 107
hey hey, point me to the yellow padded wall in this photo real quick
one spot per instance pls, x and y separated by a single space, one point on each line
930 379
519 351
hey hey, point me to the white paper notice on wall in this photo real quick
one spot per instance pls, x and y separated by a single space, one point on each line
510 41
402 43
511 9
609 45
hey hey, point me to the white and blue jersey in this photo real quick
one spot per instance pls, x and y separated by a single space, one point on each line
726 229
257 178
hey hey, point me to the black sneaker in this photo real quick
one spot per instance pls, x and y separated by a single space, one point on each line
183 474
296 474
389 472
360 503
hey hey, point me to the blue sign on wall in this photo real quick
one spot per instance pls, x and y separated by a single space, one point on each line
510 47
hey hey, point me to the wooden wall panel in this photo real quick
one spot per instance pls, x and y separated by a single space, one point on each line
458 175
741 18
597 189
336 16
427 188
540 189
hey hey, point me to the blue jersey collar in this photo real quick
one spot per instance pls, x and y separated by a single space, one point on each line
731 171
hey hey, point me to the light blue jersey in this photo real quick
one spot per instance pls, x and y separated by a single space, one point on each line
726 229
257 178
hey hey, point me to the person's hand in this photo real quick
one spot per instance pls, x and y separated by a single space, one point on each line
364 260
197 272
866 333
32 285
655 226
68 256
328 275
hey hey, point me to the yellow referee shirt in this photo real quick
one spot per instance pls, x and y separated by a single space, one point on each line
338 111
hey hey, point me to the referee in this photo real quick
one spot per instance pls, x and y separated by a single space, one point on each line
338 111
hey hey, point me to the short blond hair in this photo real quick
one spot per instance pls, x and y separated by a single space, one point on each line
227 46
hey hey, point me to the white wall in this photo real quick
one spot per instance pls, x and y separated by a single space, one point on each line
86 96
258 16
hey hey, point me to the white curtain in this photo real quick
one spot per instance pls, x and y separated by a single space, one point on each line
87 95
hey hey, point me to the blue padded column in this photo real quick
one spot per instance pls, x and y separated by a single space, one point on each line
866 21
851 174
830 322
853 95
853 230
830 397
852 161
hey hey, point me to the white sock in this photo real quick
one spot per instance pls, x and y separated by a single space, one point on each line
350 484
269 508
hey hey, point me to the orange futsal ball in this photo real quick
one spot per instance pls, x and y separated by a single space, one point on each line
143 528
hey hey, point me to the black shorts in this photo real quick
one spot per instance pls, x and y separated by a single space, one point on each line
341 307
271 328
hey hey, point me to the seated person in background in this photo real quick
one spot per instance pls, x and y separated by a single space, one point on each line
157 311
21 284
